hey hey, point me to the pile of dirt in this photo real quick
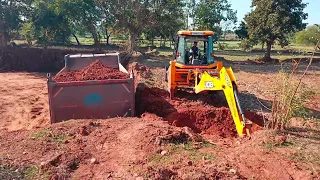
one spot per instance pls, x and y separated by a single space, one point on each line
141 72
209 120
200 116
82 149
94 71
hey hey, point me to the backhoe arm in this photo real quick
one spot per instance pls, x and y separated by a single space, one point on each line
225 82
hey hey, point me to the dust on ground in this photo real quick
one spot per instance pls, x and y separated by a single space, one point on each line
24 101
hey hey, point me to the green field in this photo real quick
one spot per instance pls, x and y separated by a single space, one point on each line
231 49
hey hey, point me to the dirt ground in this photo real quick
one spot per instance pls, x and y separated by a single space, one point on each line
156 145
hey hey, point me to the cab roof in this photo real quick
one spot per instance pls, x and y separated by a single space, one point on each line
196 33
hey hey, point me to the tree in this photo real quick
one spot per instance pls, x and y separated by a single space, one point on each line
137 16
169 19
28 30
108 19
210 13
50 23
190 10
309 36
83 14
10 18
274 20
242 31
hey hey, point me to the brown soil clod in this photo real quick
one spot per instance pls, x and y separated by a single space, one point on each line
94 71
175 138
84 131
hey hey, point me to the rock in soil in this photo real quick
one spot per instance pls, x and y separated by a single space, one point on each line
94 161
164 152
280 139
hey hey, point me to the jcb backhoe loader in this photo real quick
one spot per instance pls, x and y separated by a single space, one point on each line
197 69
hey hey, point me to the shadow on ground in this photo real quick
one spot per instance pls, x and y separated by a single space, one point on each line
299 132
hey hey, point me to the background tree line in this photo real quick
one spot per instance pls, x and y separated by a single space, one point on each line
55 21
276 22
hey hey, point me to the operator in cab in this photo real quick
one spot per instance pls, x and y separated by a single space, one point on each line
194 51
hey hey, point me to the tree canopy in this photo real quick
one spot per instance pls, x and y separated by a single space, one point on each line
50 21
242 31
274 20
209 14
11 18
309 36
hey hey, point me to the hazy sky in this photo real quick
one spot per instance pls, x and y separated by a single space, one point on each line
313 9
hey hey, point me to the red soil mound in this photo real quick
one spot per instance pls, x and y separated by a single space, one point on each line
210 120
153 100
199 116
95 71
140 69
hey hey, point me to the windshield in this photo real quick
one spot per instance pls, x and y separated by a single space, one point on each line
195 50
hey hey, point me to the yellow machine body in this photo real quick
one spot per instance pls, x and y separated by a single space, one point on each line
213 77
197 69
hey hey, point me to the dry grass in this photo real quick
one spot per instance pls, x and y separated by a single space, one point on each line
289 97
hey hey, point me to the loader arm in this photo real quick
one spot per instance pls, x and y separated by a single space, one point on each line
227 83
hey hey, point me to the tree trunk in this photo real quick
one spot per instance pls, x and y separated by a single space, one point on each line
92 30
76 39
267 56
3 40
95 38
108 36
152 42
132 41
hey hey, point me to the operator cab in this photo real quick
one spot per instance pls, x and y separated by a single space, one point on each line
195 48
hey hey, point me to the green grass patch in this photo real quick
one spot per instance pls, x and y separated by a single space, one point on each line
61 138
41 134
270 146
178 153
35 172
48 135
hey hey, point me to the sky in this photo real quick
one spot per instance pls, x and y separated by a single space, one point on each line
313 9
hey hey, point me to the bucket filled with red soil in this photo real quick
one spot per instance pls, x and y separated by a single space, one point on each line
94 71
199 116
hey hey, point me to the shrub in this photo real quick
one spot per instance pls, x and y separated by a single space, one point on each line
290 95
288 101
